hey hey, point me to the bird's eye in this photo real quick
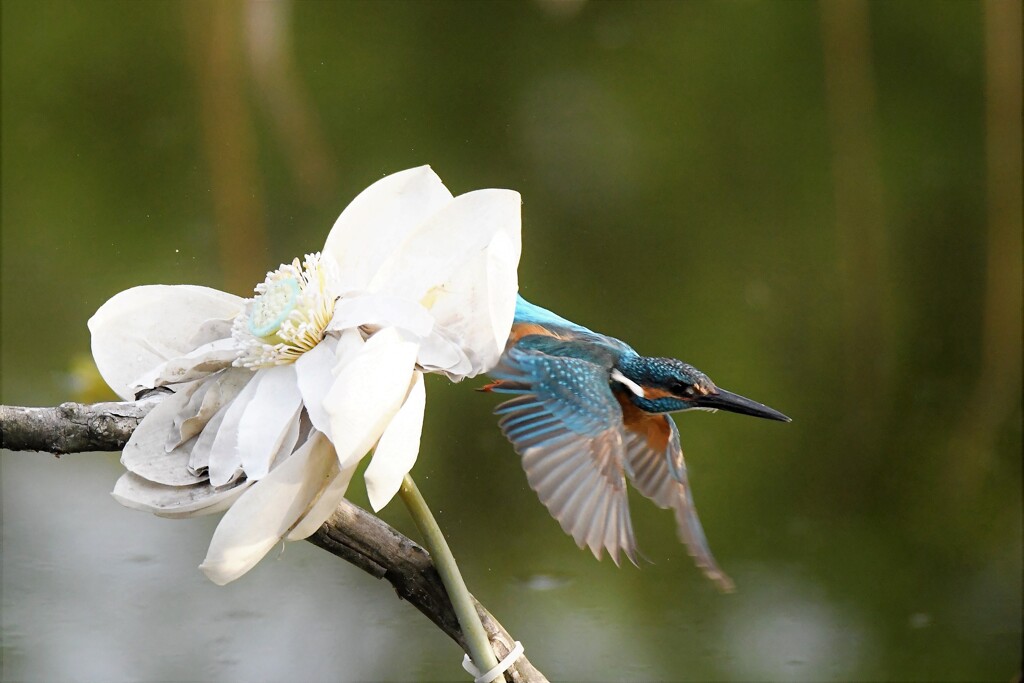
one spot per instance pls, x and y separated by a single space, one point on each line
682 389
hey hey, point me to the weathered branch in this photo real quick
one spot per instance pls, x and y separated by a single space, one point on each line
73 427
351 533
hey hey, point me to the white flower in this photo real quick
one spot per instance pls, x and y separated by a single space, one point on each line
277 398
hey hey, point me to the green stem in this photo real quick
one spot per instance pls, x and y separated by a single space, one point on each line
476 638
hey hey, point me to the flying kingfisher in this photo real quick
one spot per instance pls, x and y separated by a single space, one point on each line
590 411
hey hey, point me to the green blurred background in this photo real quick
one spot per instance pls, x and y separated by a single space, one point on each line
816 204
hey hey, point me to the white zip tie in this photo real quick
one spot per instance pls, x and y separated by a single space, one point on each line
501 668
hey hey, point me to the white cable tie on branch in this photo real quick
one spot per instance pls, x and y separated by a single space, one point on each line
501 668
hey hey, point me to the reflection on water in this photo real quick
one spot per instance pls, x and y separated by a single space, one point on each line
678 163
544 582
788 630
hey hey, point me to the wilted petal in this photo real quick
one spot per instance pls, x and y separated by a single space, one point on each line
175 502
145 455
397 449
225 460
368 391
273 409
188 411
196 364
270 510
379 218
213 394
199 462
142 327
381 310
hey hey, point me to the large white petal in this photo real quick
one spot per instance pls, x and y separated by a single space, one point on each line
324 505
316 370
424 263
267 418
269 510
349 344
313 374
379 218
175 502
368 391
212 330
145 455
381 310
398 447
503 255
476 306
142 327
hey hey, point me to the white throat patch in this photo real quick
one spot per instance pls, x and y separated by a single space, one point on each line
627 382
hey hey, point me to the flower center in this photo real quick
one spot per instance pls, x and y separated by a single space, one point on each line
271 308
289 314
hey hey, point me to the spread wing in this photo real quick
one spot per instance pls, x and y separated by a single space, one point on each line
567 426
657 470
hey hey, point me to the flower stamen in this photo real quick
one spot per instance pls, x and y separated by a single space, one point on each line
289 314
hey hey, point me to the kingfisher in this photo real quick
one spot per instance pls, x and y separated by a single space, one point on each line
590 412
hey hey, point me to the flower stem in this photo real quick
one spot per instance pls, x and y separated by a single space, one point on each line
476 638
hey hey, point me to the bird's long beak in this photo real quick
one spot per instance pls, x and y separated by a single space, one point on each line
734 403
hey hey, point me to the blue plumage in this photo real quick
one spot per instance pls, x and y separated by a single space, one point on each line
588 411
531 313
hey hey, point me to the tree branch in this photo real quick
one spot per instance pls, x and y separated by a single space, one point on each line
351 533
73 427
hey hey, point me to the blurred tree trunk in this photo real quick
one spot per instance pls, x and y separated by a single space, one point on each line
215 41
997 394
862 233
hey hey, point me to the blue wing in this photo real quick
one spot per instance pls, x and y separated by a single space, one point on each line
567 427
657 470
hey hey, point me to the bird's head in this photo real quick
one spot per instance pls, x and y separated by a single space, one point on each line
667 385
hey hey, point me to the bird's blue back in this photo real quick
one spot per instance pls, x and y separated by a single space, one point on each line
576 341
531 313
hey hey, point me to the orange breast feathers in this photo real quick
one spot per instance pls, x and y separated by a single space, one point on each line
654 428
520 330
